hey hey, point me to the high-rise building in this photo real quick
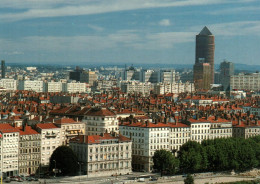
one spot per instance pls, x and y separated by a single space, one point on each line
81 75
3 68
226 70
202 76
204 59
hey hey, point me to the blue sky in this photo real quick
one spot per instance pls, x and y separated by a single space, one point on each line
126 31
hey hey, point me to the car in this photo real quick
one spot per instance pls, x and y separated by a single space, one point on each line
7 180
153 179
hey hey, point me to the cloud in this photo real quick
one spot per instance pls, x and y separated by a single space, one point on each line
129 39
96 28
165 22
239 28
246 9
30 9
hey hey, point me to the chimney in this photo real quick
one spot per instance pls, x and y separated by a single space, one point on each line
239 121
176 120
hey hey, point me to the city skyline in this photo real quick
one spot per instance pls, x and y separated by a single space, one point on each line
64 32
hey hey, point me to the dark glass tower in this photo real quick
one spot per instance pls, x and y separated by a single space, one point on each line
3 68
205 49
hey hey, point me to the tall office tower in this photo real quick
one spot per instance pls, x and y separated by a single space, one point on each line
226 70
202 76
3 68
205 47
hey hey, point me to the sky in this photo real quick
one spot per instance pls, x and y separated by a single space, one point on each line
126 31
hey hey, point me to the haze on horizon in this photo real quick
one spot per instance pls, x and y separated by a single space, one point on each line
122 31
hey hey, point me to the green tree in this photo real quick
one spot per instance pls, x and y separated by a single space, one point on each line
189 179
165 162
64 159
192 157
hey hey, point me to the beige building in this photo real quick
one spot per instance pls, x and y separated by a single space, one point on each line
175 87
100 120
245 81
50 140
29 150
246 128
103 155
69 129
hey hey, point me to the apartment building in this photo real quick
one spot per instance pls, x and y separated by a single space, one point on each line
100 120
103 155
53 87
246 128
69 129
50 140
9 137
32 85
74 87
29 150
146 137
164 88
136 87
8 84
245 81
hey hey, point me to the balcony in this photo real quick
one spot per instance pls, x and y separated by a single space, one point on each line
51 134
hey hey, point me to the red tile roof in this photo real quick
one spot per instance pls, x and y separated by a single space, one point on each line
6 128
65 121
97 139
100 112
46 126
27 130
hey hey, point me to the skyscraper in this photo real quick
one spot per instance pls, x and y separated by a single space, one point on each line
3 68
205 48
204 59
226 70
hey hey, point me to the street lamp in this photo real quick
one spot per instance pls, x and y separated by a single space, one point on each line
55 168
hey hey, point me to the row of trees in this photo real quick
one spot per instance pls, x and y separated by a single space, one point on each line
211 155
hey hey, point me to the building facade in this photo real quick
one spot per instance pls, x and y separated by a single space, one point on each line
226 71
103 155
29 150
100 120
50 140
9 150
245 81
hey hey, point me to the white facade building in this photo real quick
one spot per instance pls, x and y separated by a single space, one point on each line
103 155
37 86
100 120
54 87
74 87
69 129
9 140
136 87
245 81
8 84
164 88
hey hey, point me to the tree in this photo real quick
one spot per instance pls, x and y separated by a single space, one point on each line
64 159
192 157
164 161
189 179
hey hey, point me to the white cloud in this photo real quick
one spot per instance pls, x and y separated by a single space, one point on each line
239 28
79 44
236 10
96 28
165 22
31 9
